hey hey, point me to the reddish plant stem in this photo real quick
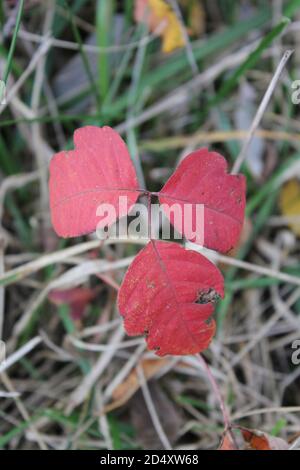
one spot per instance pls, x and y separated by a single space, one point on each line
216 390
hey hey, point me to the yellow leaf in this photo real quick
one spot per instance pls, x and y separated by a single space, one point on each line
289 202
172 33
161 13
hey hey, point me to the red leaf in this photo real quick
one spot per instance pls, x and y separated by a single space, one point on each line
77 298
168 294
98 171
202 179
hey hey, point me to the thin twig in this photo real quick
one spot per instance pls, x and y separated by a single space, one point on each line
134 357
40 52
2 290
23 411
255 268
74 46
16 274
37 143
136 76
152 411
218 394
260 112
216 390
57 256
184 93
182 141
188 46
81 392
17 355
273 409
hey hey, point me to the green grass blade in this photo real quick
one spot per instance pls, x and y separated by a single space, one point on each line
177 64
291 8
13 43
104 20
2 17
60 22
83 54
250 62
6 438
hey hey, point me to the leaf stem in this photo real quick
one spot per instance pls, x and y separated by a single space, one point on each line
217 392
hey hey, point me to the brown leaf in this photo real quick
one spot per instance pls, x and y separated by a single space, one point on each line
227 442
258 440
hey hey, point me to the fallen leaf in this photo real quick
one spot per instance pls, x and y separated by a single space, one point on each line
77 298
258 440
168 295
97 172
202 179
156 12
252 439
289 202
227 442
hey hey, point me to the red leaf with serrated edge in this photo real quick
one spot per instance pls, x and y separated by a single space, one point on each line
202 178
97 172
168 295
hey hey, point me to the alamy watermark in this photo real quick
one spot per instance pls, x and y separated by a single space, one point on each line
296 353
296 93
157 221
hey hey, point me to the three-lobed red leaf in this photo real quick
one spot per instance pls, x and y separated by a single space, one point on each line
96 172
202 178
168 295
